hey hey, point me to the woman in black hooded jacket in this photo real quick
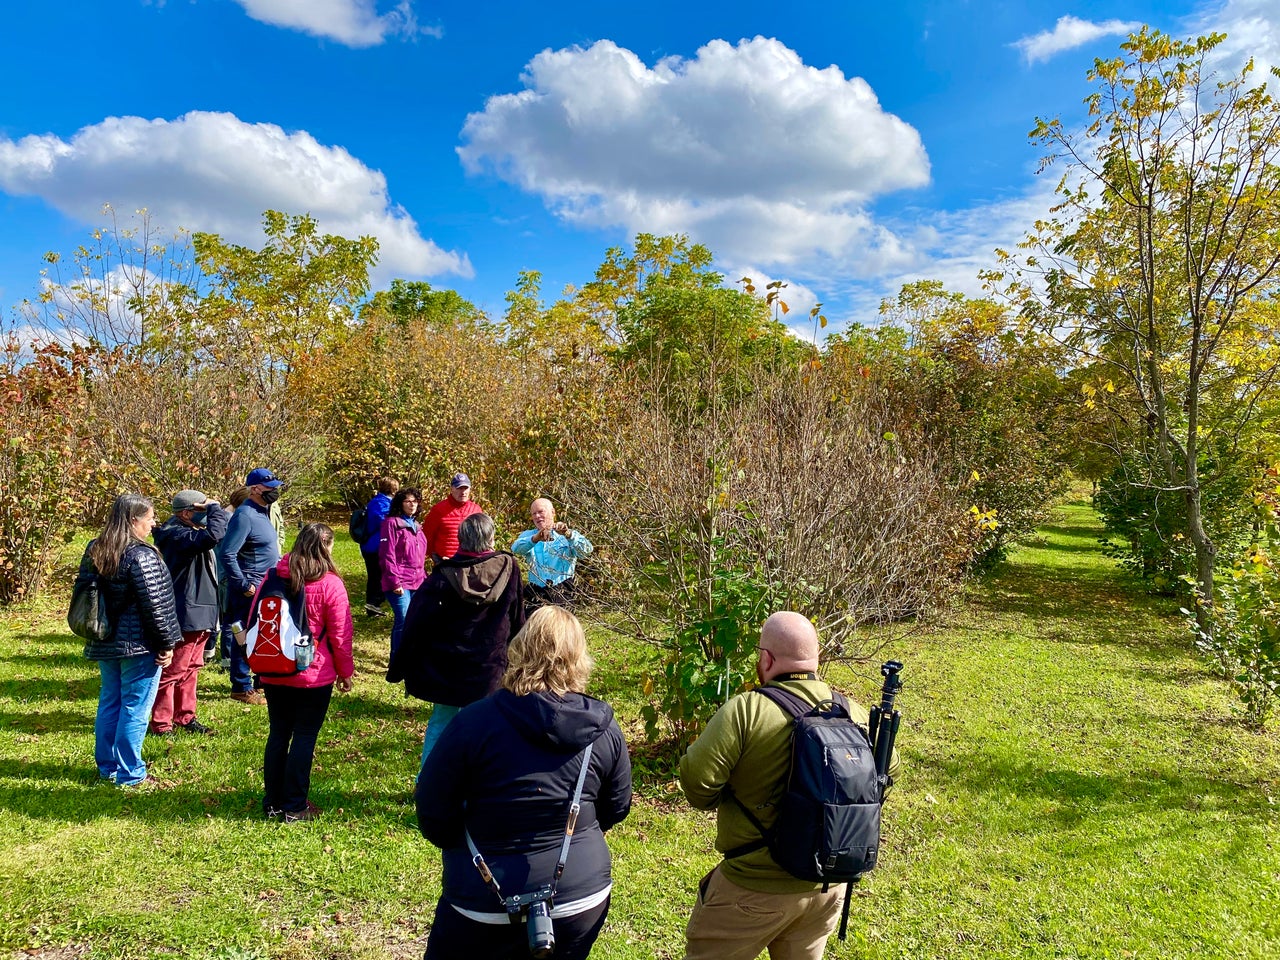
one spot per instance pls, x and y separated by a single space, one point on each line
144 631
505 770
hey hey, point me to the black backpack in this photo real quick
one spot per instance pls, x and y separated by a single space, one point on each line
358 523
828 824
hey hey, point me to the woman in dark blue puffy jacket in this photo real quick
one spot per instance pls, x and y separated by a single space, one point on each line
144 631
504 771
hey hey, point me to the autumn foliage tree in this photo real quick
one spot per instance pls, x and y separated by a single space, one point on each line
45 468
1160 258
981 389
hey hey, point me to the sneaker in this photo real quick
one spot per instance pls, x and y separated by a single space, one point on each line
251 697
195 726
271 813
309 812
371 611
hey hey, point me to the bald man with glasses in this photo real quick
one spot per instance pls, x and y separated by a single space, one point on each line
749 903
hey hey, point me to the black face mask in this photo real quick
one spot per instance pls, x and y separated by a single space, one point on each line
271 494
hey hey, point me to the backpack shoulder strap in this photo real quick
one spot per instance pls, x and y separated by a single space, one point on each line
793 705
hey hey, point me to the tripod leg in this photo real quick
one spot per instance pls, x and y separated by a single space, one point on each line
844 914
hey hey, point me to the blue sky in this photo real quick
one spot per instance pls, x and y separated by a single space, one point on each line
843 147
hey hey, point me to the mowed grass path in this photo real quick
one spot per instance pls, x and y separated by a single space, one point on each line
1076 784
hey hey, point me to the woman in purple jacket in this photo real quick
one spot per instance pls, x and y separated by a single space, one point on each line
402 556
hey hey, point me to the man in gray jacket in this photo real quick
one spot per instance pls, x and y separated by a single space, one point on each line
250 548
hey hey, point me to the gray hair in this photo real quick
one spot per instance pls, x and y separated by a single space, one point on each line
475 535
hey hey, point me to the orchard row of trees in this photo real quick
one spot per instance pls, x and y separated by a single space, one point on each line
724 466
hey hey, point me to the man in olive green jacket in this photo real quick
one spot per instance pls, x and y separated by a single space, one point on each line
749 903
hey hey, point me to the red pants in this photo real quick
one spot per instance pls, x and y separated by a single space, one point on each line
176 698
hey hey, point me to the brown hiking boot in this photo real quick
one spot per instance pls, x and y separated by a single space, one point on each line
251 697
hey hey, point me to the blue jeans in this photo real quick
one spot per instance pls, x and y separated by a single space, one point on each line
128 690
441 716
399 609
241 677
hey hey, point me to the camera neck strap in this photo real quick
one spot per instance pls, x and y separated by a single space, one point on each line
571 824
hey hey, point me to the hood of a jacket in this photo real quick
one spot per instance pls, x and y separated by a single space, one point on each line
567 723
479 580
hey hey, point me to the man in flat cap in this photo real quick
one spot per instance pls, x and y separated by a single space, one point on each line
186 541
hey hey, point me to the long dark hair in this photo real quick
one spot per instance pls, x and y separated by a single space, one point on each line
310 558
109 546
397 502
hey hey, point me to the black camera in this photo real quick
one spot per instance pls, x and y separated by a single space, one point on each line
542 936
535 909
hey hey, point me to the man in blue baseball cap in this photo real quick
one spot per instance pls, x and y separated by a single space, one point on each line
250 548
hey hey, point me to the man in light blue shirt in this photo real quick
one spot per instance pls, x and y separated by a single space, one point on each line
553 551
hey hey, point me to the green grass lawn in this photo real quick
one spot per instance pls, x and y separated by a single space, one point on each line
1076 784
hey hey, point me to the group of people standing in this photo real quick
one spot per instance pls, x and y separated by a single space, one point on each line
167 604
522 772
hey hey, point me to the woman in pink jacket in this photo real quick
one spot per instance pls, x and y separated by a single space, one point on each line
402 555
297 704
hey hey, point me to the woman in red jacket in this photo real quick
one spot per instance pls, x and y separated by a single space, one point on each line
297 704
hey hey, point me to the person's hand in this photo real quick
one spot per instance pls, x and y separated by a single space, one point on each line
561 528
164 659
398 591
250 592
344 684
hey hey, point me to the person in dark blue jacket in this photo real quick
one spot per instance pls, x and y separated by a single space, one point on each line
376 511
143 632
250 548
504 771
186 541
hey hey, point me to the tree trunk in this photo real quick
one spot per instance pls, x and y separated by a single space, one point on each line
1206 551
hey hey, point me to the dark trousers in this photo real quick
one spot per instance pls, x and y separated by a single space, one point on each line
455 937
294 717
557 595
373 583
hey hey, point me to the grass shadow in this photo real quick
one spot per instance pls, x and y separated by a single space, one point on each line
41 690
45 721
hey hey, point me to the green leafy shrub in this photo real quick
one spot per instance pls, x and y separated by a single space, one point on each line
1241 634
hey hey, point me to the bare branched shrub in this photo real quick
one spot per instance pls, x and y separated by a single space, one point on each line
793 494
159 427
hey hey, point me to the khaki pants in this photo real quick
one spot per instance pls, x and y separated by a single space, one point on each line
733 923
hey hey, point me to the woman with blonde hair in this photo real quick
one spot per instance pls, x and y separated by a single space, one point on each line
297 704
502 778
143 632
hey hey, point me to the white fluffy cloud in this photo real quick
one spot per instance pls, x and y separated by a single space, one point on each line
745 148
1253 30
214 172
1068 33
355 23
